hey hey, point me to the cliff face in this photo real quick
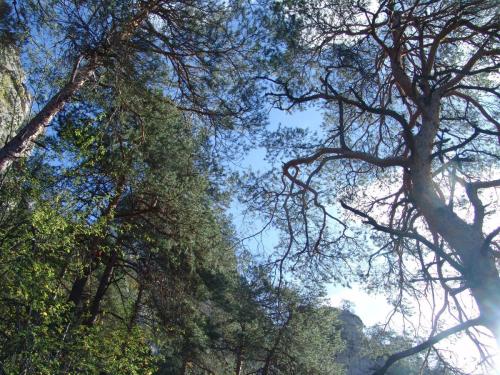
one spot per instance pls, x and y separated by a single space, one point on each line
14 98
354 356
358 359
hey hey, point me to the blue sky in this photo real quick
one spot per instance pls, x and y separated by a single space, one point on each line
372 309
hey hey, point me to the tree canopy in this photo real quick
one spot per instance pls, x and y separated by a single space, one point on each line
117 250
407 160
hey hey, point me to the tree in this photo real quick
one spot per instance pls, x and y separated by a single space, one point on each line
194 41
109 235
410 149
111 230
257 328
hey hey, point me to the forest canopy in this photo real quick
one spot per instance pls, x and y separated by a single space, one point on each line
122 129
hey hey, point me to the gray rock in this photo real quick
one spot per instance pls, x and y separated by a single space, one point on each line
14 97
358 358
354 357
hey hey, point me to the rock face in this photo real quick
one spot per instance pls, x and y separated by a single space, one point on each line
358 360
14 98
354 357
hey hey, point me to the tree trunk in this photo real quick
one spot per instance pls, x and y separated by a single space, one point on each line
101 289
78 288
76 294
479 268
20 145
135 311
239 361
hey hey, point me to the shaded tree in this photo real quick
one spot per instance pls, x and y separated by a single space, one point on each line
257 328
109 235
409 150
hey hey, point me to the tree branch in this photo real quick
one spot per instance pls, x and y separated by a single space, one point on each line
427 344
415 236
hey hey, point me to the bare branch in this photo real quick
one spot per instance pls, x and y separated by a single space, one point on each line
427 344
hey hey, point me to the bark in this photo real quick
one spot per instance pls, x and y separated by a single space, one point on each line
102 288
467 240
239 361
135 311
76 294
20 145
78 288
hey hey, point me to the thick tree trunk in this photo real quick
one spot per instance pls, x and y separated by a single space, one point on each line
479 268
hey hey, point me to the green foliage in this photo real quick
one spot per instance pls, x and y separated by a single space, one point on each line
257 327
108 238
116 255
